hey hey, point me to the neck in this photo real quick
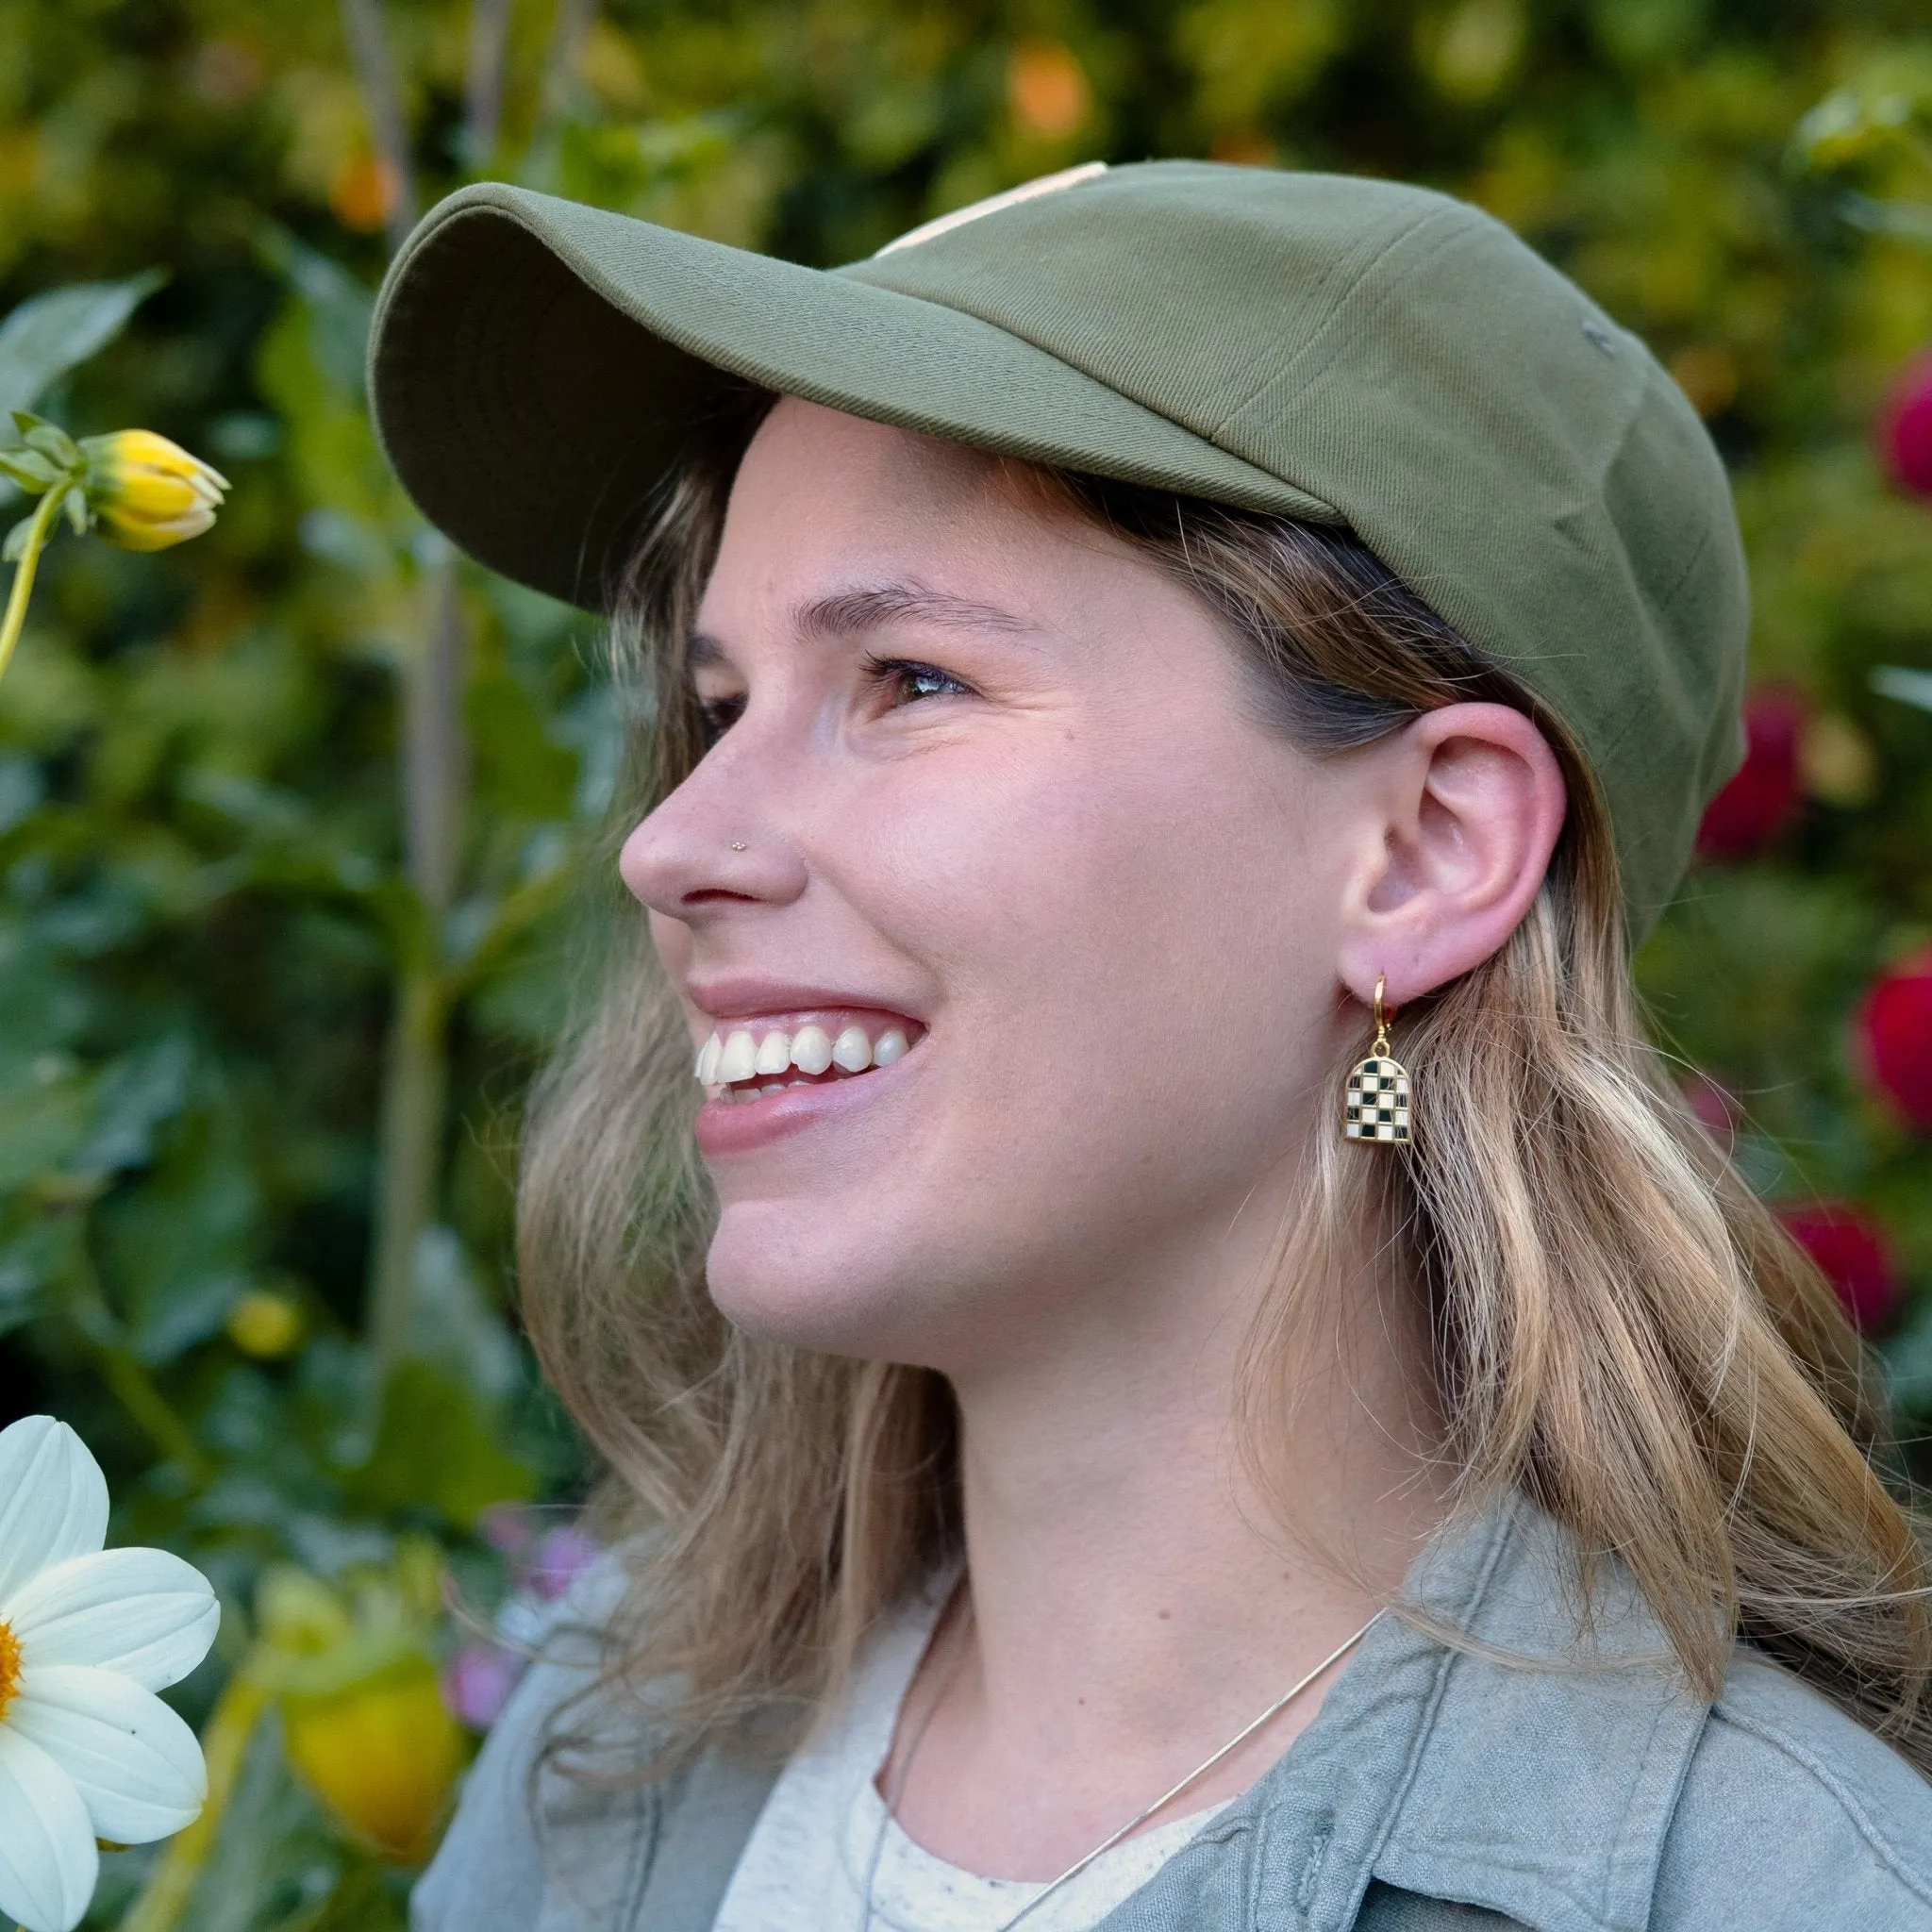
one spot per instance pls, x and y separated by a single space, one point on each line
1135 1598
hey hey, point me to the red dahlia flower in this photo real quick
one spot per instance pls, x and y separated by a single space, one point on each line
1756 803
1895 1036
1905 429
1852 1249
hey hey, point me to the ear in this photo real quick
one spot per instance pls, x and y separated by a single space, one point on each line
1469 801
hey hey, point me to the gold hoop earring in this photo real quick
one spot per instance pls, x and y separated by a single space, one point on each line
1377 1105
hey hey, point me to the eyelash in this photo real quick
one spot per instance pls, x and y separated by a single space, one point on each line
883 674
716 716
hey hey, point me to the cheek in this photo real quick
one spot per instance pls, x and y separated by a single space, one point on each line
671 940
1115 914
1127 968
1129 987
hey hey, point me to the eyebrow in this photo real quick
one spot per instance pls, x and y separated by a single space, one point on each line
853 613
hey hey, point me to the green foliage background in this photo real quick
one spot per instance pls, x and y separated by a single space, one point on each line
261 1031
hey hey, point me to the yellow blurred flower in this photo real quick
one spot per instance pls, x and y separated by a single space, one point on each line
383 1754
265 1324
1836 761
364 1724
146 492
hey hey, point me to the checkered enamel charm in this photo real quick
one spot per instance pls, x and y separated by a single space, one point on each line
1377 1106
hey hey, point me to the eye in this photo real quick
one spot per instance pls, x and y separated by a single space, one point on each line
716 716
904 682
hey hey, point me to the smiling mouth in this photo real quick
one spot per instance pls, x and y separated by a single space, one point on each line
766 1057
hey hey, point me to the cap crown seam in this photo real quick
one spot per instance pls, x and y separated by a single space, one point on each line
1282 373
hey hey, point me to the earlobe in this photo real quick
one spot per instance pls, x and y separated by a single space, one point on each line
1472 809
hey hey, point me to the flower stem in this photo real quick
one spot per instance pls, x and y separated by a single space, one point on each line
225 1741
37 534
137 1392
128 1380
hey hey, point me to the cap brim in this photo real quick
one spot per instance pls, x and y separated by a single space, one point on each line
536 366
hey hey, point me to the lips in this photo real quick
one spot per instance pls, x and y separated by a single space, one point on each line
779 1059
767 1075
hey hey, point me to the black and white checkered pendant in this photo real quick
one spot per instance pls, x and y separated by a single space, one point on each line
1376 1107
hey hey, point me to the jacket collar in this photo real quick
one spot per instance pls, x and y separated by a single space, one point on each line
1537 1780
1533 1773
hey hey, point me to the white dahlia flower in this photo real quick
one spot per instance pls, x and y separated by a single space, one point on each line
87 1637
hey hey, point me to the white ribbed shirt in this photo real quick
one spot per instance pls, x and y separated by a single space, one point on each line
823 1837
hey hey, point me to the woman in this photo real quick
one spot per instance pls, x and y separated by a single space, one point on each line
1191 1370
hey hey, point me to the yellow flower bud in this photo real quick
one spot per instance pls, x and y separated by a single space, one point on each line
352 1669
383 1754
265 1324
146 492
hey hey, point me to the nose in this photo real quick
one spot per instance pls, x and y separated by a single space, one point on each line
716 842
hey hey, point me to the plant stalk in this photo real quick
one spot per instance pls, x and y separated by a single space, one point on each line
10 625
435 753
483 82
434 781
382 99
137 1392
410 1157
568 32
128 1380
224 1743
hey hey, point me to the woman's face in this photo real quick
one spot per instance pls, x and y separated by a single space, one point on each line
985 780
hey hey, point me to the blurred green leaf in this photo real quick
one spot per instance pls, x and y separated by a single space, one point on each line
1910 686
436 1450
45 337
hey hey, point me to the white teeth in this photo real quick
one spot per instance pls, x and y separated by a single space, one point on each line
731 1061
738 1057
852 1050
811 1049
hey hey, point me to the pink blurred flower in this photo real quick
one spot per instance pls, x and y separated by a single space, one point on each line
476 1683
506 1527
1715 1105
1758 800
561 1557
1852 1247
1904 429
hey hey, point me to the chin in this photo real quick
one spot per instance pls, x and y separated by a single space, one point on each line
834 1281
797 1278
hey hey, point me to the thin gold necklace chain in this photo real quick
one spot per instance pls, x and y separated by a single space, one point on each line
1135 1823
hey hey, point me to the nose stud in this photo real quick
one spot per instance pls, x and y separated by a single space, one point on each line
738 845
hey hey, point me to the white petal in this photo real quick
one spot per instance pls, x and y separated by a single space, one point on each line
48 1857
143 1613
53 1500
137 1768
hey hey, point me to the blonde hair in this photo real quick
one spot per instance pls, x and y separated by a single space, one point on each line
1622 1331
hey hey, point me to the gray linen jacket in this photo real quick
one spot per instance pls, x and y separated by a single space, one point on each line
1436 1791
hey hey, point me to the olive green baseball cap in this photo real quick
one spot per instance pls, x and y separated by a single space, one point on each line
1334 348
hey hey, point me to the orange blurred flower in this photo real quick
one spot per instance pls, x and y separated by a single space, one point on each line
1046 88
363 193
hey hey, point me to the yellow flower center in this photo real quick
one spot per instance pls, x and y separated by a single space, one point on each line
10 1667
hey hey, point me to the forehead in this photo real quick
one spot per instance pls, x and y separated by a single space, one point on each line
821 495
803 441
838 527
